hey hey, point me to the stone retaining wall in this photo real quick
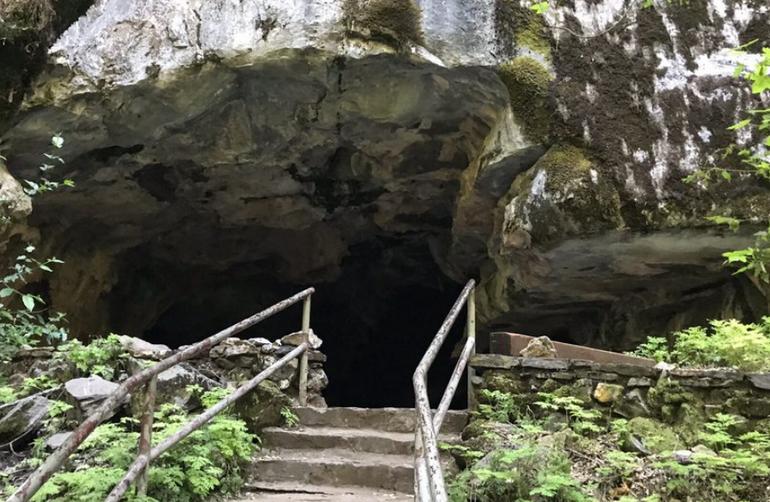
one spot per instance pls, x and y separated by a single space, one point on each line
673 395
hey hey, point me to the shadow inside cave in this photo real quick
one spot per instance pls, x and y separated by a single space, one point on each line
376 319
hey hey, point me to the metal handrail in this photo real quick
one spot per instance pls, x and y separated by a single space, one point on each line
148 377
429 484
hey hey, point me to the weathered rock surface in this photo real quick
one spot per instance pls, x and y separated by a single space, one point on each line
265 142
296 339
541 346
143 349
174 386
21 419
88 393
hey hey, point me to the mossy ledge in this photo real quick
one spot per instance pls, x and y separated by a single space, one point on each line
528 83
394 22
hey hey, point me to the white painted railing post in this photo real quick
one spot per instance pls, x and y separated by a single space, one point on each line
470 332
303 360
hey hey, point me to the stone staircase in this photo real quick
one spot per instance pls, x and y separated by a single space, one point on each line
342 454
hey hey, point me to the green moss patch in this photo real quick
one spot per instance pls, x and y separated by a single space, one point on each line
518 27
395 22
528 83
576 197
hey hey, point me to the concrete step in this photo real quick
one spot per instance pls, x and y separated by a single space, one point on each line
289 491
336 467
385 419
359 440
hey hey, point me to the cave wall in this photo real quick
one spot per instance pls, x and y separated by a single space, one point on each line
273 144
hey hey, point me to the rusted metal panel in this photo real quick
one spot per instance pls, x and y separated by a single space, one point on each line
143 461
512 343
33 483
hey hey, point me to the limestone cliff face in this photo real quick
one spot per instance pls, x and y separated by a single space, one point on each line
280 142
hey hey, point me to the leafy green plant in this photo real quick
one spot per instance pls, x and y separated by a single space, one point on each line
725 343
496 405
717 434
7 394
655 347
530 472
290 419
208 460
44 183
36 384
102 356
30 323
745 346
580 418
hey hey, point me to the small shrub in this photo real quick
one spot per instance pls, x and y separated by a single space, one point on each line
496 405
581 419
208 460
102 356
722 343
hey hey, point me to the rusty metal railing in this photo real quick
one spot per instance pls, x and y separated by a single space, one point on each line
148 377
429 485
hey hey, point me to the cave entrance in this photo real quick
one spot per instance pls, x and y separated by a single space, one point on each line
376 318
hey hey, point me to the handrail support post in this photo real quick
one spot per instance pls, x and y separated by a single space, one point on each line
303 360
145 436
470 332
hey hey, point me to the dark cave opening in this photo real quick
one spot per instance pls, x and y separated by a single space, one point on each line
376 318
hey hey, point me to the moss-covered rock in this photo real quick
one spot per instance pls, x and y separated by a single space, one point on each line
503 381
563 194
395 22
519 29
262 407
653 435
528 83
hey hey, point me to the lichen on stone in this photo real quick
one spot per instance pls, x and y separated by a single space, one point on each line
528 83
395 22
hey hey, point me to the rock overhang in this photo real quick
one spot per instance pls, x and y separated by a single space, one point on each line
223 135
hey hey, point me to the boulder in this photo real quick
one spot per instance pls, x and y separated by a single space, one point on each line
607 393
262 407
234 352
539 347
142 349
317 380
88 393
174 386
54 441
22 419
632 405
296 338
286 373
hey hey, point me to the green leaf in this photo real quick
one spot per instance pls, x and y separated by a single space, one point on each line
760 84
6 292
740 125
733 223
29 302
540 7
